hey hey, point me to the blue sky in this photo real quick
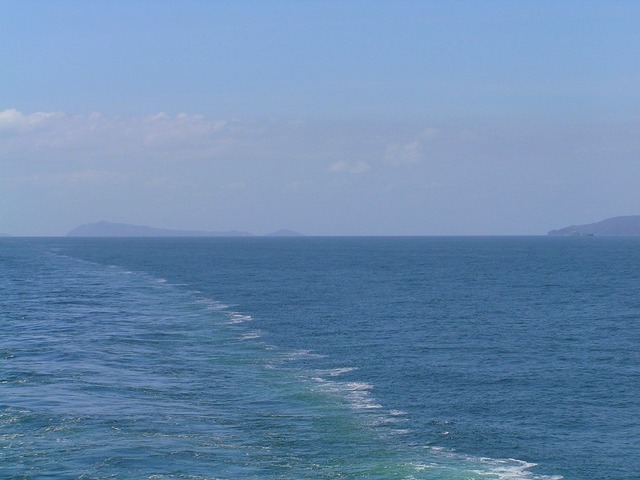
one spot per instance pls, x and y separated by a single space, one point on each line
331 118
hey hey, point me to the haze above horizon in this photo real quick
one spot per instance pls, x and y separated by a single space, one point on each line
328 118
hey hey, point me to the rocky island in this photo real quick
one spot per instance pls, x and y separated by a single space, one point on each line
108 229
619 226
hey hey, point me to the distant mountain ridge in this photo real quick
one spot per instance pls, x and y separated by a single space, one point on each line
284 233
108 229
620 226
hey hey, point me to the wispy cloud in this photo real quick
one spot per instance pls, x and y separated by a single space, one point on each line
166 183
12 119
237 186
100 133
69 179
404 153
346 167
412 151
98 138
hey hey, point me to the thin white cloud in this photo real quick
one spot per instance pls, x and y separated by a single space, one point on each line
103 134
407 153
166 183
162 130
439 185
360 167
69 179
237 186
412 151
100 141
338 167
345 167
429 133
13 119
296 186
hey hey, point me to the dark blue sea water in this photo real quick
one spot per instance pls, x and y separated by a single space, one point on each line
320 358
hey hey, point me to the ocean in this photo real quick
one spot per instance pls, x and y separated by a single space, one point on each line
320 358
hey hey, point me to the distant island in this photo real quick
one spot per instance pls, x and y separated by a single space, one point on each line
108 229
284 233
621 226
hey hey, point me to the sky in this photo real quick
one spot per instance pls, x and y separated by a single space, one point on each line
325 117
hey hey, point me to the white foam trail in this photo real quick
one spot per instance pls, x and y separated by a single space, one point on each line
358 394
251 335
336 372
212 304
474 467
397 413
512 469
235 317
302 355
